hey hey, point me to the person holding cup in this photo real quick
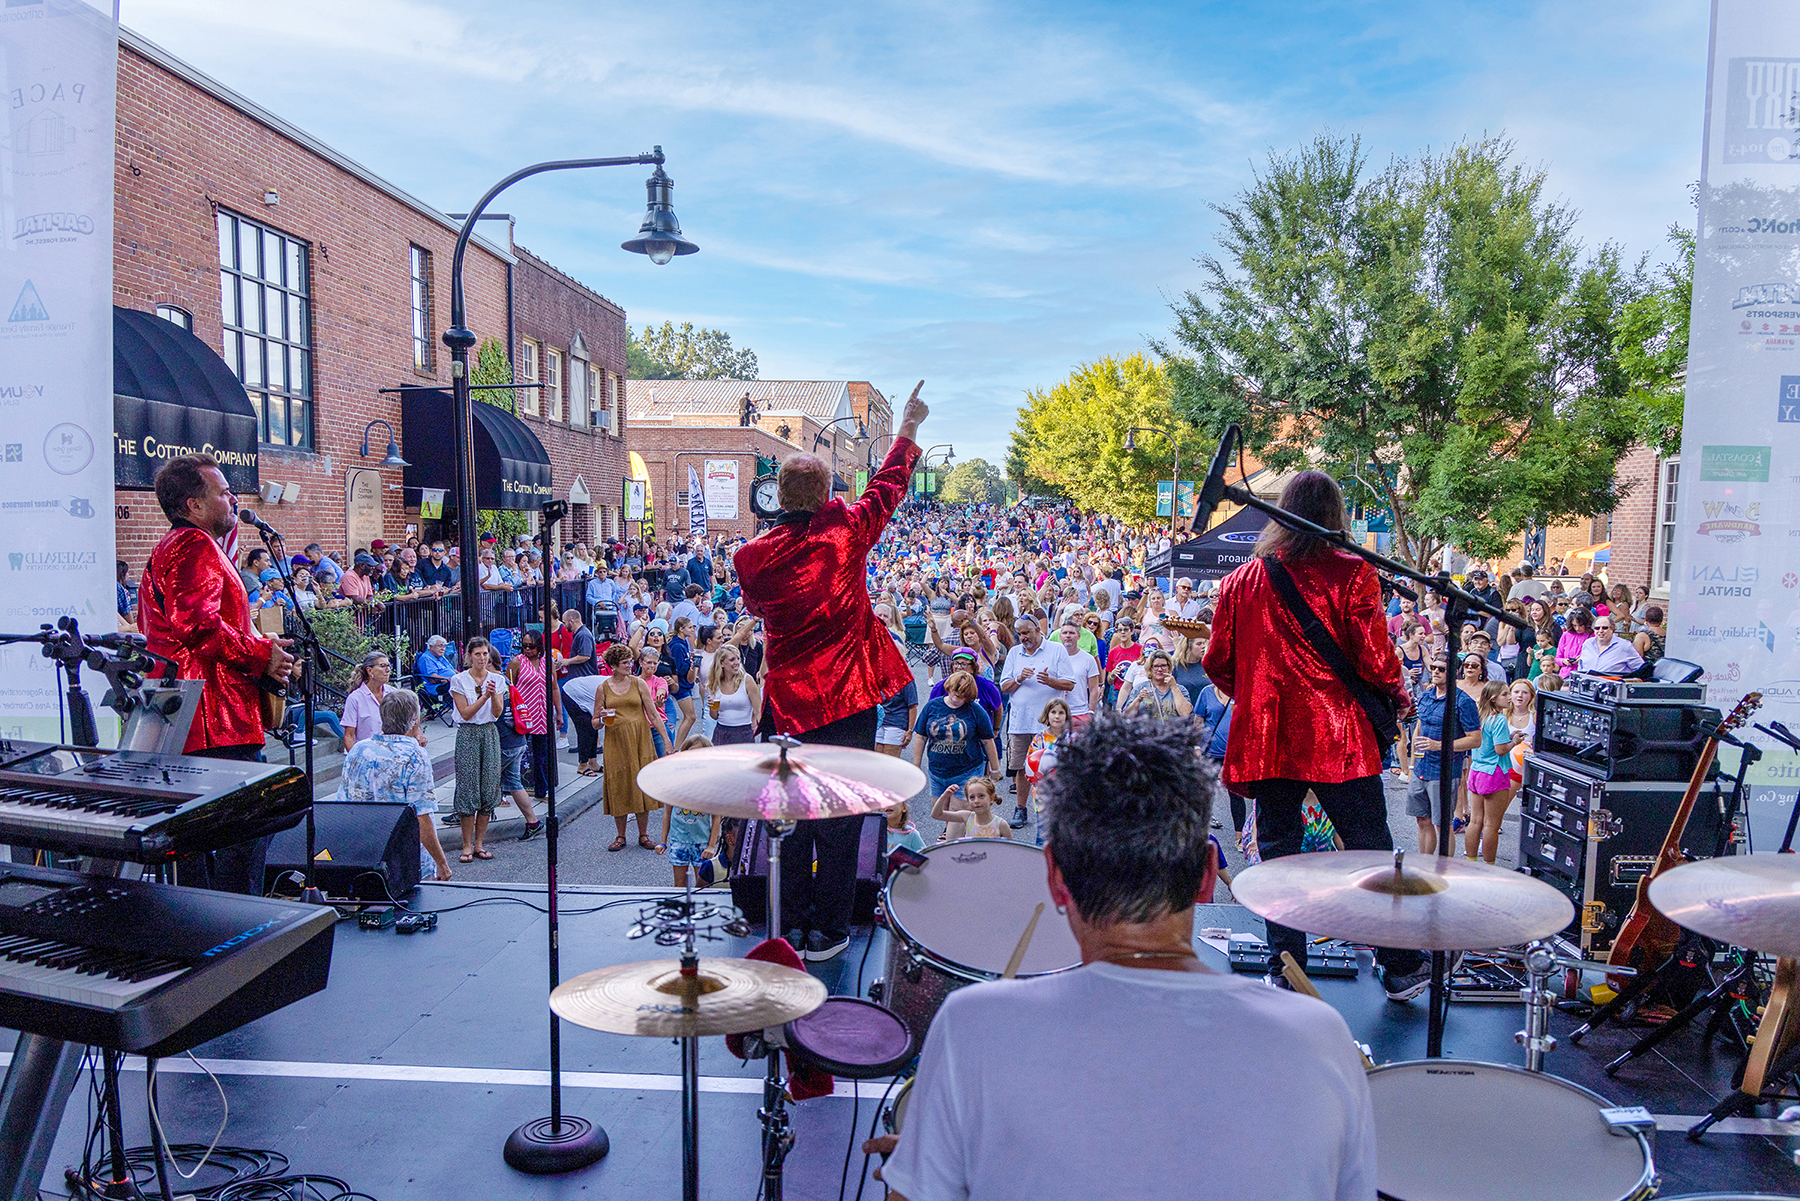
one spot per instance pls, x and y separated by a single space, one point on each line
733 699
624 710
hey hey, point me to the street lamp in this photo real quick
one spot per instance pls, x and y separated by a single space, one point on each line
862 435
392 459
925 458
1175 489
659 237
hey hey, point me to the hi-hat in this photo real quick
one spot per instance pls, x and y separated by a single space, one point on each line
748 781
1745 900
653 999
1430 904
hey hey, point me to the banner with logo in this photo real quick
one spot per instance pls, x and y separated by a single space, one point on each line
634 500
722 489
1735 555
59 62
696 505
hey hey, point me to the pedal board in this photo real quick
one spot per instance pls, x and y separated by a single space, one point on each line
1336 959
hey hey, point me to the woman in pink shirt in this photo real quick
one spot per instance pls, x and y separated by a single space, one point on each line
1578 628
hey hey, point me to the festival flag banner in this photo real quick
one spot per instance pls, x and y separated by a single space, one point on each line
696 505
431 503
634 500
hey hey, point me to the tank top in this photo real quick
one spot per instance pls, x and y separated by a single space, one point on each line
734 707
528 695
996 828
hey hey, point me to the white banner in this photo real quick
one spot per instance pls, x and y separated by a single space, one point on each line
1735 569
634 500
696 506
58 67
722 489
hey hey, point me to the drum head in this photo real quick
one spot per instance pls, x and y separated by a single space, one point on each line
895 1118
1447 1130
850 1037
970 903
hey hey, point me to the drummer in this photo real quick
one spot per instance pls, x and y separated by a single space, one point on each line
1142 1046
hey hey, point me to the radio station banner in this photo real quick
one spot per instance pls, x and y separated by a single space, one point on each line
58 66
1735 570
722 489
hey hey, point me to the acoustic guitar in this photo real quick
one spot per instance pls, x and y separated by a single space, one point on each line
1776 1030
1647 938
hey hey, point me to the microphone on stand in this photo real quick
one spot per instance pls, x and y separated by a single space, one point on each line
1212 491
249 517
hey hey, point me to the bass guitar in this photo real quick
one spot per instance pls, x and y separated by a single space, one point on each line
1647 938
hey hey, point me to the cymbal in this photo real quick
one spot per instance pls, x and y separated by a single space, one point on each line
743 781
1745 900
652 999
1429 903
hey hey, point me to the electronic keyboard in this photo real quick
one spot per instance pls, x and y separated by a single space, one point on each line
149 968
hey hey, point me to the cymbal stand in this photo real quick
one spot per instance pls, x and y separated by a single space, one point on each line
1541 962
679 923
778 1134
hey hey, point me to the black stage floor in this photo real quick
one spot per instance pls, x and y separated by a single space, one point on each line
406 1075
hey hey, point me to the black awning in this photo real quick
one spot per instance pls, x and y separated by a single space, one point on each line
1214 554
174 395
512 469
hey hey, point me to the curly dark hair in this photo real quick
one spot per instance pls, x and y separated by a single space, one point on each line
1130 811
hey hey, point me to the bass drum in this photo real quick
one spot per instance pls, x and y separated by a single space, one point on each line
957 920
1546 1139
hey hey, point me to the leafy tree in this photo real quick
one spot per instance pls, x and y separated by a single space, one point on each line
974 482
687 353
1072 437
492 367
1427 334
1652 343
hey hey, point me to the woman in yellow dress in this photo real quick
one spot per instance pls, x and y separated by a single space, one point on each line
624 710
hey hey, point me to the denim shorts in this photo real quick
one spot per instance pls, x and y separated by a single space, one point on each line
687 854
512 775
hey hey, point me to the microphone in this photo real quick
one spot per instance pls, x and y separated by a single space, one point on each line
1212 491
249 517
116 641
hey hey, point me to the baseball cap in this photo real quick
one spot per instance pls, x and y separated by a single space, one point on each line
377 544
965 653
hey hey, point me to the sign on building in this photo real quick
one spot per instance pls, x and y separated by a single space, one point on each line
722 489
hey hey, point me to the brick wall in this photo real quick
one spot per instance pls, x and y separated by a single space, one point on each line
180 151
658 447
1634 521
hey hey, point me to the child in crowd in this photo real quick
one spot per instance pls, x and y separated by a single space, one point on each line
978 820
902 830
690 838
1040 759
1490 775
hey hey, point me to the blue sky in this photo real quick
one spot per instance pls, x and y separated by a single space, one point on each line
982 195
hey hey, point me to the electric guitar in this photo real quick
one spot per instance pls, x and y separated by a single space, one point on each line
1647 938
1777 1029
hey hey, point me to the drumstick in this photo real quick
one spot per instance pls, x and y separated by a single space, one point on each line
1297 979
1018 955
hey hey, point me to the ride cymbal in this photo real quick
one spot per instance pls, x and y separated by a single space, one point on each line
653 999
1745 900
1430 904
748 781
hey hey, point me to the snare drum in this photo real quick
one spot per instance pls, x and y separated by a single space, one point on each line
852 1038
1544 1137
893 1120
957 920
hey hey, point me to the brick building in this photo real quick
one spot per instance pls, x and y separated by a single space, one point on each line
320 283
1641 529
681 423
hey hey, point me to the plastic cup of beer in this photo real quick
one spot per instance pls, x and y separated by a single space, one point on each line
712 707
608 716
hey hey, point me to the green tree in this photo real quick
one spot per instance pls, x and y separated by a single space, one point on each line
1652 344
492 367
972 483
1072 437
687 353
1427 334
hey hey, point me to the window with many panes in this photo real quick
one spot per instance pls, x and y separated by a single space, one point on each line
612 403
265 298
1667 492
552 384
528 373
424 356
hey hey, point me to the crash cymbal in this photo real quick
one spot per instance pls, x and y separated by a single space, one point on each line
1744 900
745 781
654 1000
1428 903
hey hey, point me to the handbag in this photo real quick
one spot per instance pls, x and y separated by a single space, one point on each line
1379 707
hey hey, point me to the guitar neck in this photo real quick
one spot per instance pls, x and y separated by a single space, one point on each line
1670 854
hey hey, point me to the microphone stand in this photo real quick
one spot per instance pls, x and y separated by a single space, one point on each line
1457 604
310 658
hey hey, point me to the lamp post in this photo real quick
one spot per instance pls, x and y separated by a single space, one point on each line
392 458
862 435
1175 489
925 458
659 238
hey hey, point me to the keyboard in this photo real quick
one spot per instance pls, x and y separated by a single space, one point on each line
142 807
149 968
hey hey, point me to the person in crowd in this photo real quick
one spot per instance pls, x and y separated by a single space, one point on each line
1490 787
1035 672
1190 671
625 712
707 640
577 661
899 713
902 831
955 737
527 678
690 838
357 586
1471 673
1652 635
325 568
734 700
362 703
1048 742
1084 699
436 578
434 669
1159 695
662 731
478 695
1578 630
1606 653
684 674
1424 790
250 573
969 808
1618 605
393 767
1122 652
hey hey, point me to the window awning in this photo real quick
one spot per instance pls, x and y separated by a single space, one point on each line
512 469
173 395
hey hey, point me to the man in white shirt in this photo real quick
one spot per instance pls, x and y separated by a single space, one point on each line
1606 653
1045 1087
1035 673
1186 605
1084 698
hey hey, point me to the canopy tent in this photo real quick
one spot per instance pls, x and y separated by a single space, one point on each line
1214 554
512 469
1599 552
174 395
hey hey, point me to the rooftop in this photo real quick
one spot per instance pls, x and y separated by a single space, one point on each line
673 399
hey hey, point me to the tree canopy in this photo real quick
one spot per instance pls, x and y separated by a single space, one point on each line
1430 333
976 481
1652 341
687 353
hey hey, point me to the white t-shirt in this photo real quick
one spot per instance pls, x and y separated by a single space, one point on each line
463 684
582 690
1085 667
1091 1084
1029 699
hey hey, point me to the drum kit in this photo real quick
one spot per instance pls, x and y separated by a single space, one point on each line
1578 1144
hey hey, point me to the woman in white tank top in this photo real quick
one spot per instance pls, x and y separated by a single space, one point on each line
733 699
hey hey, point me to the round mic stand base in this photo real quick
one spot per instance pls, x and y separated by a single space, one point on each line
547 1146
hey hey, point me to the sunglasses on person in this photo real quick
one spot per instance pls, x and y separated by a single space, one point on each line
1437 667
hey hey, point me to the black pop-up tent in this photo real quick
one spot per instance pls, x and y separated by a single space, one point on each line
1214 554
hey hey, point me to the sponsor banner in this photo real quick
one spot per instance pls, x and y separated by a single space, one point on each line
58 67
1735 567
722 489
635 491
696 505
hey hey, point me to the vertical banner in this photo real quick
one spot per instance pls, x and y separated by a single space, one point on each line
722 489
59 59
696 505
634 500
1735 563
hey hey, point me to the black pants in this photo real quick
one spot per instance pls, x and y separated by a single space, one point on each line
543 746
822 900
587 738
230 869
1358 808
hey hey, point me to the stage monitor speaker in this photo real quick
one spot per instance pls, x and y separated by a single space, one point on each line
361 852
